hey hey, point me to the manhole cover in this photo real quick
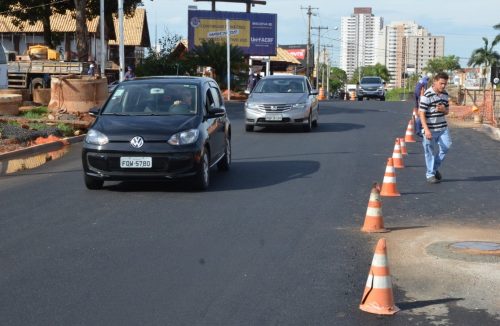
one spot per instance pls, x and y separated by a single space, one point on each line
477 247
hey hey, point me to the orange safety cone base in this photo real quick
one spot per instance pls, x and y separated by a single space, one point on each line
375 308
374 224
389 193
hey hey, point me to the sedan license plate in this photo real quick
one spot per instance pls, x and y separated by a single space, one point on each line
136 162
274 117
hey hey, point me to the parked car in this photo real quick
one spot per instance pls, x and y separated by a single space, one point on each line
371 87
282 100
158 128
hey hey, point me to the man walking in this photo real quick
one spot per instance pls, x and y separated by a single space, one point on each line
432 110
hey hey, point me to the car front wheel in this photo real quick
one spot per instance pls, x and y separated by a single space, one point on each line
225 163
202 177
248 128
308 126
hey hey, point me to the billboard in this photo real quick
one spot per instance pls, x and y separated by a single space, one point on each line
299 52
254 33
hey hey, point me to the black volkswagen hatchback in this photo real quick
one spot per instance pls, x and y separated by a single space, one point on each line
158 128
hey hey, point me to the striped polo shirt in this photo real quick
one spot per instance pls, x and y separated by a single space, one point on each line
428 102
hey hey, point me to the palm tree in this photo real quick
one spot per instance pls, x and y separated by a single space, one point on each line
485 56
497 26
212 54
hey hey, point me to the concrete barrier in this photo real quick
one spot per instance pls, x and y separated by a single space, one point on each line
77 94
10 103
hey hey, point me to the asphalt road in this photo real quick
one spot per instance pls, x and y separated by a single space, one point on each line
275 241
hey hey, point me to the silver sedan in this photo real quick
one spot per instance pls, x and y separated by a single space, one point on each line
282 100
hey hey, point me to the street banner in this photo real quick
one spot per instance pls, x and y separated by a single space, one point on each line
255 34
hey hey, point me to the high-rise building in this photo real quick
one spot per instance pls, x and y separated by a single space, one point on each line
406 47
359 39
422 48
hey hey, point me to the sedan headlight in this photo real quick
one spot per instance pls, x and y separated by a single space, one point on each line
185 137
95 137
251 106
299 106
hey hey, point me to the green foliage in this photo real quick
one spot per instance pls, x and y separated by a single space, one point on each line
338 79
38 126
376 70
36 113
65 129
213 54
163 62
442 64
485 56
398 94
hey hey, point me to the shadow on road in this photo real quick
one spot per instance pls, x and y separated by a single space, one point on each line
399 228
425 303
322 127
243 175
484 178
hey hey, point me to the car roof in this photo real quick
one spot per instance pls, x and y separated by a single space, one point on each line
284 76
171 79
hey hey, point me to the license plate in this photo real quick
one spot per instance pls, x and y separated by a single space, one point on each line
136 162
274 117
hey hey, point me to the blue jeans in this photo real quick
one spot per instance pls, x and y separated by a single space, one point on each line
433 158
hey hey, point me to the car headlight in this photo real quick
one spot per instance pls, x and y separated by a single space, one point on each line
251 106
381 88
95 137
299 106
184 137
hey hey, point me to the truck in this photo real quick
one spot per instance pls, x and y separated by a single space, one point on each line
35 68
371 87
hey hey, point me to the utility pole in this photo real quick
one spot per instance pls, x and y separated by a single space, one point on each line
319 28
327 69
308 48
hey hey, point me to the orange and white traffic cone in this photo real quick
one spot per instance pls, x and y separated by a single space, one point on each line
378 297
397 156
410 133
389 188
374 222
402 144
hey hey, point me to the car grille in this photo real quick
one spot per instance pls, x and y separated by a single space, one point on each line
275 107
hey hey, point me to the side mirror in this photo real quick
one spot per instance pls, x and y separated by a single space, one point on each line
217 112
94 112
314 92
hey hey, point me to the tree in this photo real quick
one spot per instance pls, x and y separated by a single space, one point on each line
442 64
376 70
497 38
33 11
212 54
485 56
162 62
338 79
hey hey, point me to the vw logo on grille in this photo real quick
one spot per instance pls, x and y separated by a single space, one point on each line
137 142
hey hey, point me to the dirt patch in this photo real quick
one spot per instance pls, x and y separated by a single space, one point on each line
423 275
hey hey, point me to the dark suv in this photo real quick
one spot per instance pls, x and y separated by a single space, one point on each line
158 128
371 87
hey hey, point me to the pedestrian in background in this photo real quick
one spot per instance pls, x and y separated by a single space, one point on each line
433 108
91 70
129 74
420 88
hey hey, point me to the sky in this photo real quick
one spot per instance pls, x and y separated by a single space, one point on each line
462 22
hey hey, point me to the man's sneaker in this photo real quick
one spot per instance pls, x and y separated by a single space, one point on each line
433 179
438 175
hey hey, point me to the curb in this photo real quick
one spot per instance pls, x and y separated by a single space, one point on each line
42 148
490 131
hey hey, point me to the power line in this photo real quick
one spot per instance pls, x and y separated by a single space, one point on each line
33 7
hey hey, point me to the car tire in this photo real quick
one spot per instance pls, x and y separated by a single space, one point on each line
248 128
360 99
315 122
308 126
202 178
382 98
93 183
225 163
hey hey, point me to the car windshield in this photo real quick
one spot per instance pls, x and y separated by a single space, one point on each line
280 85
371 81
153 99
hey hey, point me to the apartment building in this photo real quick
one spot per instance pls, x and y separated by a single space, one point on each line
359 39
406 47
